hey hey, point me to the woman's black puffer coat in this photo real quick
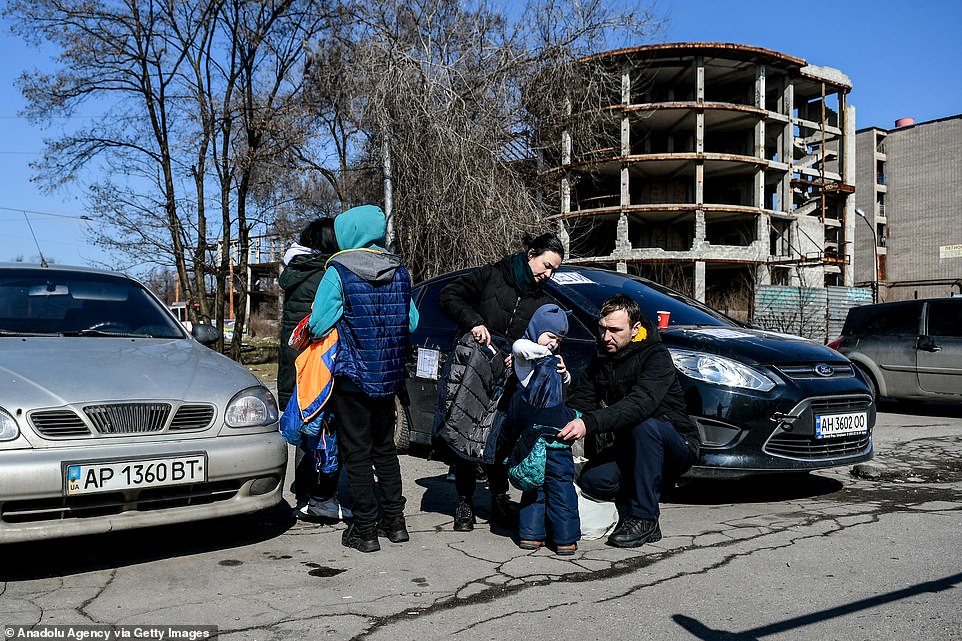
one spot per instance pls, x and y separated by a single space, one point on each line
489 296
299 280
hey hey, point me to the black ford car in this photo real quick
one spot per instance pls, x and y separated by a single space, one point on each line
763 402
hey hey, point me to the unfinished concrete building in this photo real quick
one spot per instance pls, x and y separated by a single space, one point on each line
910 192
723 167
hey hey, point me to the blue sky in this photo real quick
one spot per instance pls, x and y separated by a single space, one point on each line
904 60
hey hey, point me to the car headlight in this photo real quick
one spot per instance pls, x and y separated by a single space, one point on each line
252 407
9 429
719 370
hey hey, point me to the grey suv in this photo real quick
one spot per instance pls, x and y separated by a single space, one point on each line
907 350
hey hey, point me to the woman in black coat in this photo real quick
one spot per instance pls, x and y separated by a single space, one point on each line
498 299
315 493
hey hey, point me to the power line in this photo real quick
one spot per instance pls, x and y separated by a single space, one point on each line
47 213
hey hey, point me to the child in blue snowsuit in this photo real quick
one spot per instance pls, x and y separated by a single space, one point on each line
537 411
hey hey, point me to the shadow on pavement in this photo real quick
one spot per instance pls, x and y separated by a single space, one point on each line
440 497
76 555
764 488
791 626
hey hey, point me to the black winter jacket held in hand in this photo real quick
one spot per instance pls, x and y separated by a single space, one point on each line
468 394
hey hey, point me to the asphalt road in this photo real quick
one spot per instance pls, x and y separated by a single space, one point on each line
870 554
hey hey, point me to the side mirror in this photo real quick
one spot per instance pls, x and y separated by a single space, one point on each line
204 333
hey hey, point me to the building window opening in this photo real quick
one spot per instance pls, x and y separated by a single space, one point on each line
670 236
591 236
738 233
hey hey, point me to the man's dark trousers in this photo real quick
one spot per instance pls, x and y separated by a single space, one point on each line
365 438
631 471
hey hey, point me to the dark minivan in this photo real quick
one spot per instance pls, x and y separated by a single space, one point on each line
907 350
763 402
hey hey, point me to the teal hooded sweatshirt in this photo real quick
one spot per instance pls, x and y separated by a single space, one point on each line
360 228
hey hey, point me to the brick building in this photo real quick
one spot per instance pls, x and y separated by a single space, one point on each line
910 191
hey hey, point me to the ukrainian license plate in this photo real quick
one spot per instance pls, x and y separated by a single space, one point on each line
832 425
89 478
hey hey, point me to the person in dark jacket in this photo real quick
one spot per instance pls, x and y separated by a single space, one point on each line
303 269
631 389
365 294
498 300
315 492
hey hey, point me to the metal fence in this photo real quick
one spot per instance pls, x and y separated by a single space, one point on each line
815 313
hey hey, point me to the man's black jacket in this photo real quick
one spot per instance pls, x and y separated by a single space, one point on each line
623 389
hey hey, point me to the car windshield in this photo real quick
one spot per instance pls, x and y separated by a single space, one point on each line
45 302
594 286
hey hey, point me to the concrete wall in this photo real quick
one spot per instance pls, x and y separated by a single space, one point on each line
863 253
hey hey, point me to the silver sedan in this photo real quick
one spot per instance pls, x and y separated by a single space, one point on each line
112 416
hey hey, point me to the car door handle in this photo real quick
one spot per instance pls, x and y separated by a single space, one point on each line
928 345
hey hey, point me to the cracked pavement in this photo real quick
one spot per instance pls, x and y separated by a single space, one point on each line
869 553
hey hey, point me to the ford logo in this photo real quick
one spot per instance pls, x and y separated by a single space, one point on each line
824 370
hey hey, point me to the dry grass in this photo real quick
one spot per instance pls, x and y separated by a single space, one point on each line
260 357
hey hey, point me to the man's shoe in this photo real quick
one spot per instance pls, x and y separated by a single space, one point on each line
464 515
633 532
364 541
394 529
503 512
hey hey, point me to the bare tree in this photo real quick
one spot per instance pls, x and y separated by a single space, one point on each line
455 99
118 54
184 86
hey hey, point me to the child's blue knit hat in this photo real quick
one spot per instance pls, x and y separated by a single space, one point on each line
547 318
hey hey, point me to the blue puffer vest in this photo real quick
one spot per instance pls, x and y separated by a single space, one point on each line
373 332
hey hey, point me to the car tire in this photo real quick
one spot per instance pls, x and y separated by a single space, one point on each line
402 429
870 381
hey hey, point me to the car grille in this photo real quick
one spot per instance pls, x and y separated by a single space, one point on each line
794 444
807 447
58 423
148 499
128 418
121 418
807 370
841 404
193 417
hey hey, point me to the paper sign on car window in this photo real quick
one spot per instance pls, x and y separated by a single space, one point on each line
571 278
428 363
723 333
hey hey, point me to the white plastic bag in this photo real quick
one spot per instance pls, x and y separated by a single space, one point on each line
598 518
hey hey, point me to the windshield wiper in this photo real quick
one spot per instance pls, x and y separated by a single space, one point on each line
101 332
6 332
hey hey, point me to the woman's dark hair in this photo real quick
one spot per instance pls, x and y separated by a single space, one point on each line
543 243
319 236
